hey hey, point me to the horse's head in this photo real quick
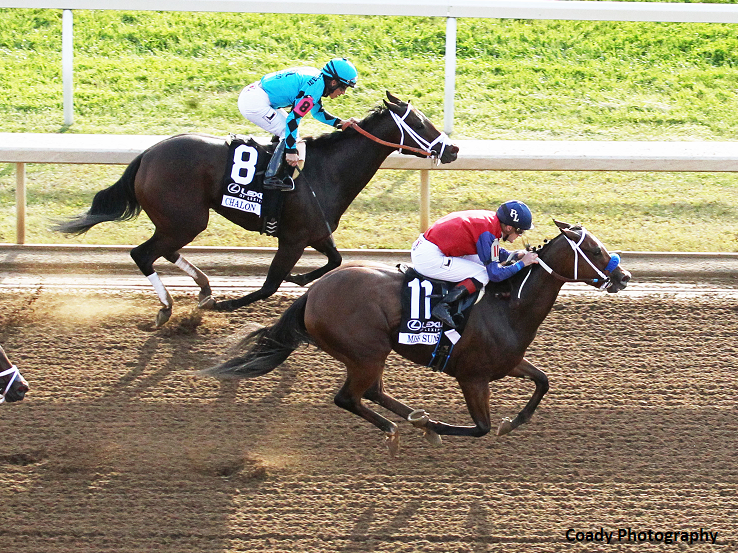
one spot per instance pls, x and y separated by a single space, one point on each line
417 131
13 386
588 261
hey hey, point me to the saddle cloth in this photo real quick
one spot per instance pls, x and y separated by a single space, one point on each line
242 187
418 297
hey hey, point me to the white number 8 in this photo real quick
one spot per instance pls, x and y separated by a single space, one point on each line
239 164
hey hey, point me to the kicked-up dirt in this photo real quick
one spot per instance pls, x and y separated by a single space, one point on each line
119 448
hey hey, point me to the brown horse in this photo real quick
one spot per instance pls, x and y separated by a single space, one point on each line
13 386
177 181
353 313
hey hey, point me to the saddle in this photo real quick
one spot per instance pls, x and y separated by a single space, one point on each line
418 296
242 187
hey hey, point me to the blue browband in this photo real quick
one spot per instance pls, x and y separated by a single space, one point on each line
614 262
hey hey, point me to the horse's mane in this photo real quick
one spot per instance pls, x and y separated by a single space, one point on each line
538 249
505 286
330 137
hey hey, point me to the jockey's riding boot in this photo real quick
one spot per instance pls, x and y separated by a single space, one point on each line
442 310
272 180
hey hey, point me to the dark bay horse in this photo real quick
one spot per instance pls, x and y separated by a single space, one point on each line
361 328
13 386
177 181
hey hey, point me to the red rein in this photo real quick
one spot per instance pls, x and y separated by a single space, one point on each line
385 143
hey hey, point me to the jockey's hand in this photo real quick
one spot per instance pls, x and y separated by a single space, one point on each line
346 123
529 258
514 256
291 159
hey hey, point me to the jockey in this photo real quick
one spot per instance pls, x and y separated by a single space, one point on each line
464 247
299 88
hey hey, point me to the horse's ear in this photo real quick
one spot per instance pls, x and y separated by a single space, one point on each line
392 98
561 225
396 108
570 234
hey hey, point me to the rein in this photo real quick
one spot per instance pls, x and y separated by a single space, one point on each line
16 373
576 246
317 202
442 138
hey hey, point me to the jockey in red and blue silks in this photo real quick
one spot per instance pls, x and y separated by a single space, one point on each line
464 247
301 89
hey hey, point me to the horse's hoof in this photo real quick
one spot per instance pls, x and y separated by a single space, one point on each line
225 305
418 418
433 438
207 303
392 441
505 426
163 316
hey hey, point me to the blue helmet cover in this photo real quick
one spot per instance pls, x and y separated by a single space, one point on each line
516 214
341 70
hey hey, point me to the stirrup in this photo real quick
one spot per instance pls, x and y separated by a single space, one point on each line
283 185
442 312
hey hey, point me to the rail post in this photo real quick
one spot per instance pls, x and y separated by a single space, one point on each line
20 203
424 199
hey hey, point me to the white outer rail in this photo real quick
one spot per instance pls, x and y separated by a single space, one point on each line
505 9
450 9
474 155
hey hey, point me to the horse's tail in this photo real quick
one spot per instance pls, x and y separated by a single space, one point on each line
116 203
268 347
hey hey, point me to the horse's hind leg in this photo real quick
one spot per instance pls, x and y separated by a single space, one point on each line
360 379
419 417
327 247
144 256
377 394
205 297
526 370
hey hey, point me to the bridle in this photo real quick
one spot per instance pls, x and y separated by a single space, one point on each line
426 148
13 370
602 283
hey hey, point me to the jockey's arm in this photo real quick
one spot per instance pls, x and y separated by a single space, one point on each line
490 252
320 114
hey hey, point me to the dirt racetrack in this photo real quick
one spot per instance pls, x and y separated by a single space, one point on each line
117 448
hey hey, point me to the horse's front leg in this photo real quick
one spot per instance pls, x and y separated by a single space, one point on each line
476 394
284 260
526 370
327 247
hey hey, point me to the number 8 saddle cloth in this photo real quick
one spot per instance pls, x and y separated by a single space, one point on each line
242 186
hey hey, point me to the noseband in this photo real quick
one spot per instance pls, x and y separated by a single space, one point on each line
604 274
426 148
16 373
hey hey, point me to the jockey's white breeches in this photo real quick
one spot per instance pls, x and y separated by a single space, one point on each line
253 103
430 261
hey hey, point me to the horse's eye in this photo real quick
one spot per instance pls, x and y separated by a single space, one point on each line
597 251
417 122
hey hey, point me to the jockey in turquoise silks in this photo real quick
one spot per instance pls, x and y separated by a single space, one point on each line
301 89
